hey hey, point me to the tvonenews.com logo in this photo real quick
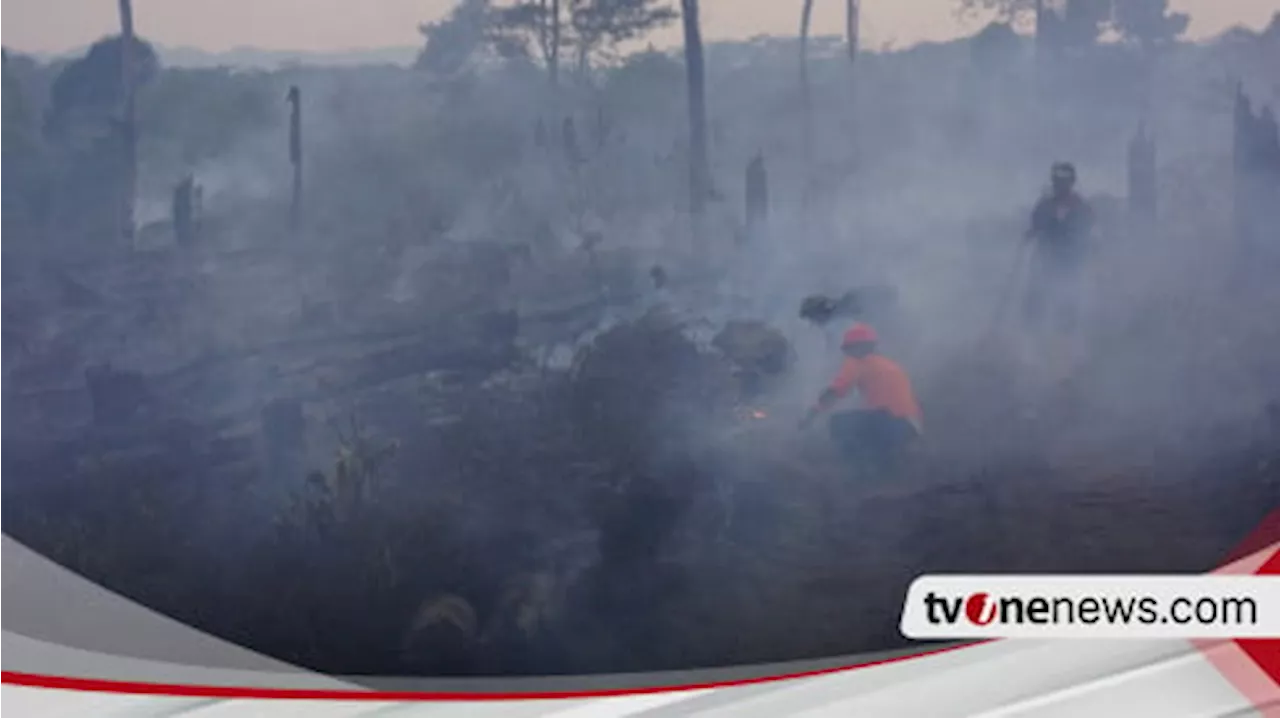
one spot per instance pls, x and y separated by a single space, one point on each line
983 609
1092 606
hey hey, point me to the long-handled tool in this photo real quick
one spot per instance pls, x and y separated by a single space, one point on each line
1015 272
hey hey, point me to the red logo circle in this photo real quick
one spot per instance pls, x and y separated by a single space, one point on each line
979 609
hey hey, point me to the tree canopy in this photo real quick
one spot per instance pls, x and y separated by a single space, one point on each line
453 41
90 88
544 29
1148 21
994 46
1073 23
1006 11
24 193
600 25
17 113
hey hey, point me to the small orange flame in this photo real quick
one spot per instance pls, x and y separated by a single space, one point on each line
757 414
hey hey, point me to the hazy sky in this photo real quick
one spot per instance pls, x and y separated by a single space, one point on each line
53 25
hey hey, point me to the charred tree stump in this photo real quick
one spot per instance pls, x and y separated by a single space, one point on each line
1142 176
184 211
757 198
295 156
1257 182
569 135
602 129
540 134
197 207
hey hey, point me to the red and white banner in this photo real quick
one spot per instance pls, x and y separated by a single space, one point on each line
61 661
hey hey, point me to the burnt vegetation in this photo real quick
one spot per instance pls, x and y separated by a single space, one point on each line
514 390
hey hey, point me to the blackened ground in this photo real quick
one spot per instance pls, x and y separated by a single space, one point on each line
576 522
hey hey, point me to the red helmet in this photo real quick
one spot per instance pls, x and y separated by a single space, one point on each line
858 334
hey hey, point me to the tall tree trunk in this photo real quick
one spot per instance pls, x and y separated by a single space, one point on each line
699 164
806 15
295 156
128 123
553 57
1046 37
1041 29
852 28
806 94
851 23
757 198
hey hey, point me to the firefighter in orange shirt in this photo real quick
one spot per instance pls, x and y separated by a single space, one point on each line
889 417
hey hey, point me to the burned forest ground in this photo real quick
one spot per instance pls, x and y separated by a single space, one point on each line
618 514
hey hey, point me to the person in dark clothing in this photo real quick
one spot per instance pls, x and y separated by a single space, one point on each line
1061 227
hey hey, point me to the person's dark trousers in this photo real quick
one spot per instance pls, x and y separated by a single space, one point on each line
873 439
1052 294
